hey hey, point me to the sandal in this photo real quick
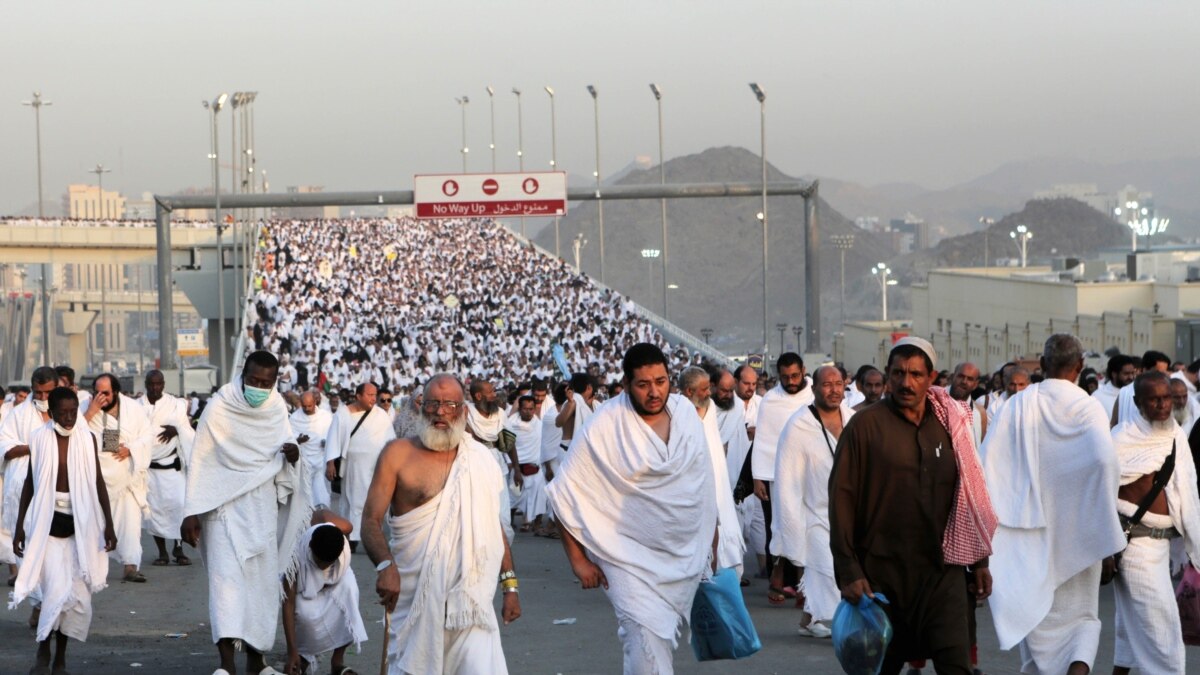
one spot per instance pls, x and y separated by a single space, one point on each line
553 534
344 670
526 528
161 561
776 596
135 577
182 560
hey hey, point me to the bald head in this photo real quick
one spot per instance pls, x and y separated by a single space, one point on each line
308 403
829 387
964 381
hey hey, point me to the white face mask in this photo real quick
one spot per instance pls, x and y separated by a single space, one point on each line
61 430
41 406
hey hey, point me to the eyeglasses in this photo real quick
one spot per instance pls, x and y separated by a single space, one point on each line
385 400
435 406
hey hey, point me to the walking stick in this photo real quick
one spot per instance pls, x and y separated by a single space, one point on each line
387 633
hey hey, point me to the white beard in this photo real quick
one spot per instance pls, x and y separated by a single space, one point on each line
442 440
1165 425
1180 415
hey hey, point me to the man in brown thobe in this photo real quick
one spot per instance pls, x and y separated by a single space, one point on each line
892 494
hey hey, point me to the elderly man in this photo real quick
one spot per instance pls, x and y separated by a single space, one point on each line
1157 502
802 468
1125 409
311 425
247 499
26 417
1052 541
1184 406
646 451
1016 379
169 455
694 385
909 512
791 394
485 422
70 529
438 574
963 382
731 424
870 387
126 437
352 446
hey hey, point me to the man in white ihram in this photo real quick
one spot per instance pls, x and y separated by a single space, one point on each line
248 504
438 574
1052 475
357 436
169 456
19 424
310 423
1148 632
631 522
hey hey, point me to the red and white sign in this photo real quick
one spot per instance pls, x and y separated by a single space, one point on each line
490 195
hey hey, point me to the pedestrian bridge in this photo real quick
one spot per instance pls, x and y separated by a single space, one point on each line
62 245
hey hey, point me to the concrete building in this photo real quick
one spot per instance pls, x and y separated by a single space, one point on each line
868 342
1087 193
85 201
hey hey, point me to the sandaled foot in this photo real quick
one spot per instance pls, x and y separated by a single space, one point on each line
183 560
135 577
553 534
162 561
526 528
343 670
776 596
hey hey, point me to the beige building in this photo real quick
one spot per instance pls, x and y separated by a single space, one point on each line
868 342
85 201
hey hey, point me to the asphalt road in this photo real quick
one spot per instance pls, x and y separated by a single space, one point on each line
132 623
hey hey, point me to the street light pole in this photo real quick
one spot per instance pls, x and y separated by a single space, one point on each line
215 107
1022 235
782 328
578 245
662 180
100 170
650 254
37 104
492 105
881 272
462 102
798 331
554 162
843 242
599 202
762 112
987 225
520 147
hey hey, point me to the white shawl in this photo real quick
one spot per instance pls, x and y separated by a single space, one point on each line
1142 449
1048 436
18 426
732 426
486 429
137 435
316 426
583 412
1126 408
237 449
731 548
169 411
773 413
1106 394
85 507
641 509
800 498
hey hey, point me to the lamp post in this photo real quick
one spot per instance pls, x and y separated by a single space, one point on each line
707 333
100 170
987 225
650 254
554 161
520 146
881 272
599 202
762 215
578 245
662 180
799 332
492 106
843 242
782 328
37 104
462 102
1022 235
215 107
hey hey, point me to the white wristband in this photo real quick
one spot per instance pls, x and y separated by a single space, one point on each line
383 565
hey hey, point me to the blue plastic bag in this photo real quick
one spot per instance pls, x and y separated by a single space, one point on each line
721 626
861 634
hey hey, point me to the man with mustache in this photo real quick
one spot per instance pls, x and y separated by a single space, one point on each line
356 436
438 574
626 500
485 421
870 386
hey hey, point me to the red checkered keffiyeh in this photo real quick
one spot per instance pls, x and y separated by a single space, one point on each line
973 521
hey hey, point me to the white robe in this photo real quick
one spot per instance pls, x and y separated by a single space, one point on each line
15 430
732 426
253 505
800 524
637 505
63 573
773 413
1050 435
448 553
1148 633
487 429
125 479
1126 409
359 454
532 501
327 614
731 548
165 487
316 427
1107 394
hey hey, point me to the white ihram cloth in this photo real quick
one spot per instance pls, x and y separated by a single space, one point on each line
487 430
16 429
125 479
448 553
1107 394
312 451
165 487
751 408
732 426
773 413
1126 409
327 615
532 501
800 514
641 509
253 505
1148 633
63 573
1048 436
1179 375
731 548
359 454
583 413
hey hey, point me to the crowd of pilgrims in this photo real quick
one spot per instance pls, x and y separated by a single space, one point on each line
395 301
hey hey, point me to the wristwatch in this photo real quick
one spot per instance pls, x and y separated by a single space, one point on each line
383 565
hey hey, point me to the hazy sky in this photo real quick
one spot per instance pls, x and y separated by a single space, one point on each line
360 94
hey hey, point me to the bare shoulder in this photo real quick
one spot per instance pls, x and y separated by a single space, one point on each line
397 452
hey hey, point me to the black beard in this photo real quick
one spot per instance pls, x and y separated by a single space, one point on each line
798 388
723 403
488 408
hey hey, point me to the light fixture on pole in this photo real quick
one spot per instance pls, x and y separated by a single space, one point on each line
782 328
762 215
554 161
599 202
577 245
662 180
100 170
1022 235
520 146
707 333
881 272
986 223
843 242
492 106
215 107
37 104
462 102
650 254
1141 222
798 331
